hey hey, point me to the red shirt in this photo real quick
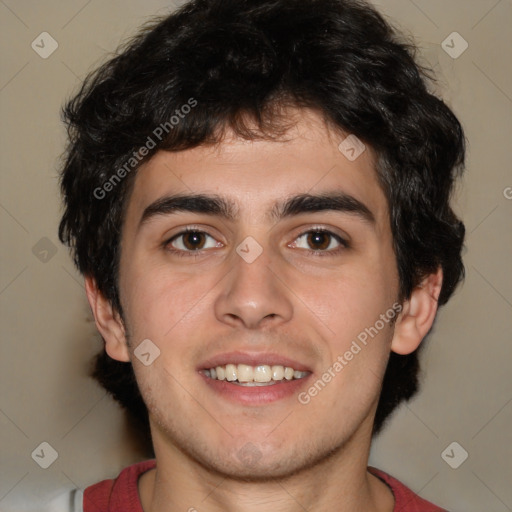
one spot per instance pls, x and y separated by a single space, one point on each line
122 495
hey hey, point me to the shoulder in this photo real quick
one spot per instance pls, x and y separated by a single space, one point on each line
405 499
122 491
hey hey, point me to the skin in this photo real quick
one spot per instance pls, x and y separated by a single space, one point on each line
289 301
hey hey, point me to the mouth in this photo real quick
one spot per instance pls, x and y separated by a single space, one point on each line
254 376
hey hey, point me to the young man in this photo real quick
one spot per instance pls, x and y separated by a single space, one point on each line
257 193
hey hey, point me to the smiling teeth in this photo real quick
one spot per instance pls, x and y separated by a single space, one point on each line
259 375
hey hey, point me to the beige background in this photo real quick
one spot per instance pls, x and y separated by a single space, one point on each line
48 338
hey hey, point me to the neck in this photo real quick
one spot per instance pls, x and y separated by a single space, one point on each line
339 482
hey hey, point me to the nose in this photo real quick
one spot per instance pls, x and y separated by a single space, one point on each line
253 296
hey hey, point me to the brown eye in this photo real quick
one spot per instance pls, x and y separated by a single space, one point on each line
189 241
320 241
193 240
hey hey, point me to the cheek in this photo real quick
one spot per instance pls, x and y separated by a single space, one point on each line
156 300
348 302
362 320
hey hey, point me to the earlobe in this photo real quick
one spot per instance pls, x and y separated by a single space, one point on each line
108 322
418 314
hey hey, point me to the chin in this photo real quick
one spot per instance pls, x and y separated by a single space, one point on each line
261 471
263 463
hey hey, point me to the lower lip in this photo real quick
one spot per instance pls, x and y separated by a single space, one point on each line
256 395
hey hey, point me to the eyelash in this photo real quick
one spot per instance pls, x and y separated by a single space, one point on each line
317 253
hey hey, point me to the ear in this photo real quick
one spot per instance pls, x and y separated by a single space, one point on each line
108 322
417 315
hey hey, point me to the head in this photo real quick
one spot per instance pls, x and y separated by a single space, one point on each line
248 101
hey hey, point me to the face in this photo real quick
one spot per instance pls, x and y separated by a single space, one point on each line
283 259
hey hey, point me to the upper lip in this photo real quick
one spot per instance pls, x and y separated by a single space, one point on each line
252 359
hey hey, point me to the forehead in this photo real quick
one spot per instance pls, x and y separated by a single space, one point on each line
254 175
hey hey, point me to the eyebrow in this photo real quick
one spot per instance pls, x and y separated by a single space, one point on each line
226 209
